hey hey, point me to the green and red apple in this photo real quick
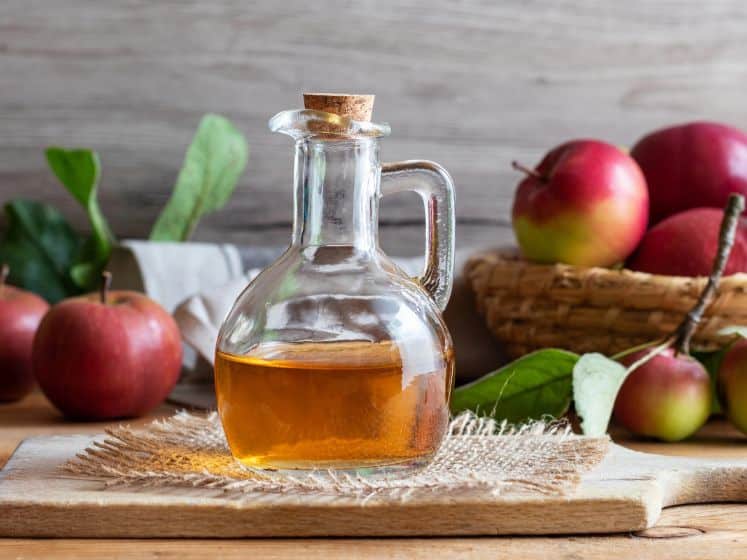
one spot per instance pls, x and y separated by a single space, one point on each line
108 355
693 165
586 203
20 315
668 397
732 384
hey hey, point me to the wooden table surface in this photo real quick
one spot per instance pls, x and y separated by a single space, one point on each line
699 531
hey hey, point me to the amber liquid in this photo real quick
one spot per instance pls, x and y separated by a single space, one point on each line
333 405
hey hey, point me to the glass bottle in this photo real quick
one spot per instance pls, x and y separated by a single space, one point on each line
333 357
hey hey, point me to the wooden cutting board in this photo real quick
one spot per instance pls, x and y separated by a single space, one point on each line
626 492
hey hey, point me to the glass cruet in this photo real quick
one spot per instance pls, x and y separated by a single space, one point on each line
333 357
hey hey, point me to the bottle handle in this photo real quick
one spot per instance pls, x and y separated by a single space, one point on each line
435 186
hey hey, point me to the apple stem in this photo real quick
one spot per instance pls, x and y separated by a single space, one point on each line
4 273
524 169
106 282
727 233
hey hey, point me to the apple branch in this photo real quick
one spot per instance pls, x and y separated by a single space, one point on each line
4 273
106 282
727 233
526 170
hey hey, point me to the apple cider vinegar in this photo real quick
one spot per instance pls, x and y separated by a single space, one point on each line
333 404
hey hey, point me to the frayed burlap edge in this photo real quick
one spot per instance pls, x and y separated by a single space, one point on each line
190 451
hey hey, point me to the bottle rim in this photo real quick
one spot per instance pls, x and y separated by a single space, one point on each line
303 123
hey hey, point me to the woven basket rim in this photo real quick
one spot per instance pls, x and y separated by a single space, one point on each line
533 305
512 255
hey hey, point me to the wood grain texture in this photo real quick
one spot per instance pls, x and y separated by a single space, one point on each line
712 538
704 531
471 85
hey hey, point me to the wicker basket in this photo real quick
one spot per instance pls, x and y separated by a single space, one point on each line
529 306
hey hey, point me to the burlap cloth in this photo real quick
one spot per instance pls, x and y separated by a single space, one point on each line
188 450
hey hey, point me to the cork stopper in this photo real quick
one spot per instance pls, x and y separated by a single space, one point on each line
356 107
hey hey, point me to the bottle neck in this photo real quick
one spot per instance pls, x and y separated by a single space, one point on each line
336 198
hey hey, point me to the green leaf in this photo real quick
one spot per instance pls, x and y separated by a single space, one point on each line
531 387
214 161
40 247
596 382
79 171
86 274
712 362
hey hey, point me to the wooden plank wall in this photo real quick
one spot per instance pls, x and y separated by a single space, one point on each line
471 84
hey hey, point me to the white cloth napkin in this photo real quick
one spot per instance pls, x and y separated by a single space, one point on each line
169 272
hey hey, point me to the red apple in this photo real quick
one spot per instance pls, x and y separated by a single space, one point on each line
685 245
732 384
668 397
98 360
586 203
692 166
20 314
